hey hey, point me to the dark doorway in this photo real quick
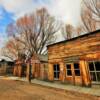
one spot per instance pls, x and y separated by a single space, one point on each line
24 69
56 69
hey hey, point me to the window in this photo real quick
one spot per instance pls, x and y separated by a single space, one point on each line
56 71
68 69
94 68
76 69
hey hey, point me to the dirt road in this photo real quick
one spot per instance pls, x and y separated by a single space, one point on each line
16 90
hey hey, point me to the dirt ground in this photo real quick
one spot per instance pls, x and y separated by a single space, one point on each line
16 90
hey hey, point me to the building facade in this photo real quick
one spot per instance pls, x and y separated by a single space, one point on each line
38 67
76 61
6 67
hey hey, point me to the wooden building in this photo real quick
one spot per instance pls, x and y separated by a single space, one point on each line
38 67
76 60
19 68
6 66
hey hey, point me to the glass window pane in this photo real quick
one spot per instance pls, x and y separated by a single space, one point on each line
54 67
91 66
77 72
97 65
69 72
98 76
68 66
93 76
54 74
57 75
76 65
58 67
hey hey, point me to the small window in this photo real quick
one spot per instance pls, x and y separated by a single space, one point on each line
69 72
68 66
76 66
68 69
76 69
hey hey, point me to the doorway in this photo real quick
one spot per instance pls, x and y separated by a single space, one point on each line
73 72
24 68
56 69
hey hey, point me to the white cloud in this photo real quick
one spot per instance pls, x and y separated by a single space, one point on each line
67 10
2 41
18 7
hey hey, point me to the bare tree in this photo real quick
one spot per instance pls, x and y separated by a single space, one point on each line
90 15
13 50
78 30
89 24
37 30
68 31
94 7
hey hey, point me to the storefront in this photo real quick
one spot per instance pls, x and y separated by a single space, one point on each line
76 61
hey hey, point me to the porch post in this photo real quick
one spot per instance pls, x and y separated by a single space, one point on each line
62 72
14 70
50 72
19 70
28 75
85 73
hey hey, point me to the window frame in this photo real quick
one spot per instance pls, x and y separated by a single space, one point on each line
94 71
73 70
56 71
77 69
68 70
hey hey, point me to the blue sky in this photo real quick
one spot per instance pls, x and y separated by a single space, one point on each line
5 19
11 10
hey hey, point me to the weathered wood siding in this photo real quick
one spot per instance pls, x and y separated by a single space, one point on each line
85 48
80 46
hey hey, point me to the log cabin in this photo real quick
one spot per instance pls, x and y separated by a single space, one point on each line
76 61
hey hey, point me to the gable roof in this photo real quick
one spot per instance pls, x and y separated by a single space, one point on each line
72 39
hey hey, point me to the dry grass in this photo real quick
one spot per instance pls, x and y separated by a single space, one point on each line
15 90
